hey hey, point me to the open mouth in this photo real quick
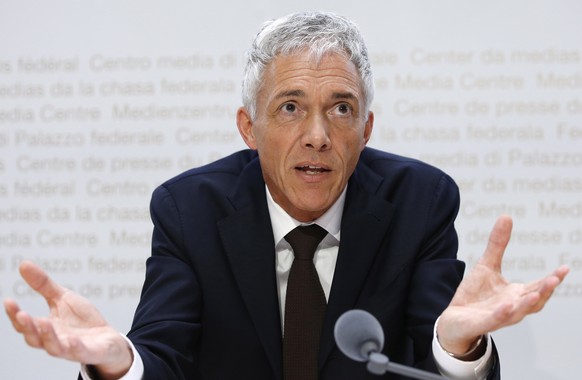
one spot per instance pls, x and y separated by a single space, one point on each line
311 169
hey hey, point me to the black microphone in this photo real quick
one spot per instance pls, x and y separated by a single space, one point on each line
360 337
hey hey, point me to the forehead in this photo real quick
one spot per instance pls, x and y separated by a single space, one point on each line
305 71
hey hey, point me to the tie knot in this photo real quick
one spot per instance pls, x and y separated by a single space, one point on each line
304 240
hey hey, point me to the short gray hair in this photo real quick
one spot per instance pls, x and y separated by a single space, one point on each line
318 33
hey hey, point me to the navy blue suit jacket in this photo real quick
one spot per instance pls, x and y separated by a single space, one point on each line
209 307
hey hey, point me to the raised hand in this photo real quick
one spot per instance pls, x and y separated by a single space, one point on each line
74 329
485 301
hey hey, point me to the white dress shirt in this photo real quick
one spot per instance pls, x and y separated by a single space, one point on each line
325 259
325 255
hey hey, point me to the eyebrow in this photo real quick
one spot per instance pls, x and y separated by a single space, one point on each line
343 95
290 93
301 93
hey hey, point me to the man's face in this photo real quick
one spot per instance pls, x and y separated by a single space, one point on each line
309 131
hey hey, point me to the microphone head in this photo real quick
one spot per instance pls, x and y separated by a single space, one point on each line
357 334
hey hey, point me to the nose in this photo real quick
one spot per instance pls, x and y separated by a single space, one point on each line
316 134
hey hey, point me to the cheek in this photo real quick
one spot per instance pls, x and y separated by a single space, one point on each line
273 157
350 155
350 144
278 145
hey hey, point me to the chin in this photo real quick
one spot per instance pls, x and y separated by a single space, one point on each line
314 208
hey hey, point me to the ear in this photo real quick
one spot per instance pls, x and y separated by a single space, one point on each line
368 127
245 127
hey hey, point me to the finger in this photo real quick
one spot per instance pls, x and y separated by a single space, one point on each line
498 240
40 281
23 323
50 341
531 299
66 347
562 272
513 311
29 329
547 285
12 309
534 298
502 314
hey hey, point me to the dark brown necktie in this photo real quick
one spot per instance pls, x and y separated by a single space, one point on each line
304 306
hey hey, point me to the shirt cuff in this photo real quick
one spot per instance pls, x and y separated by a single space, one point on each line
135 371
456 369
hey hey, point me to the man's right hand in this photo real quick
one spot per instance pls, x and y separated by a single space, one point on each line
74 329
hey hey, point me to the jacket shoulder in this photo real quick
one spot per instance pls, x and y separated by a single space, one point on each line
230 166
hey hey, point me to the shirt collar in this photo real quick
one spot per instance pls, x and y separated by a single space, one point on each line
283 223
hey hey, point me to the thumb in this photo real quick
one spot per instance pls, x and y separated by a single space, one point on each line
40 281
498 240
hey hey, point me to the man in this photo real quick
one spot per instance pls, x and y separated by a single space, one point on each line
214 300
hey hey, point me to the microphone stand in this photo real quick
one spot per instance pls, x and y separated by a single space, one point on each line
360 337
379 364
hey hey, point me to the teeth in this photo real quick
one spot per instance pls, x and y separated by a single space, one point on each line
311 169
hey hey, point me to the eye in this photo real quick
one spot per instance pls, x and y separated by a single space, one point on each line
343 109
289 107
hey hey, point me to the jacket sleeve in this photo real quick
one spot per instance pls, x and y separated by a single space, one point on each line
167 324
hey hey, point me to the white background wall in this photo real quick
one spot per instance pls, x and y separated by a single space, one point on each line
102 101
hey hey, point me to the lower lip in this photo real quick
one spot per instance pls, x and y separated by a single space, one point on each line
314 176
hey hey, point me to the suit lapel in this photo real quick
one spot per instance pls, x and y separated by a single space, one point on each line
365 220
248 240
